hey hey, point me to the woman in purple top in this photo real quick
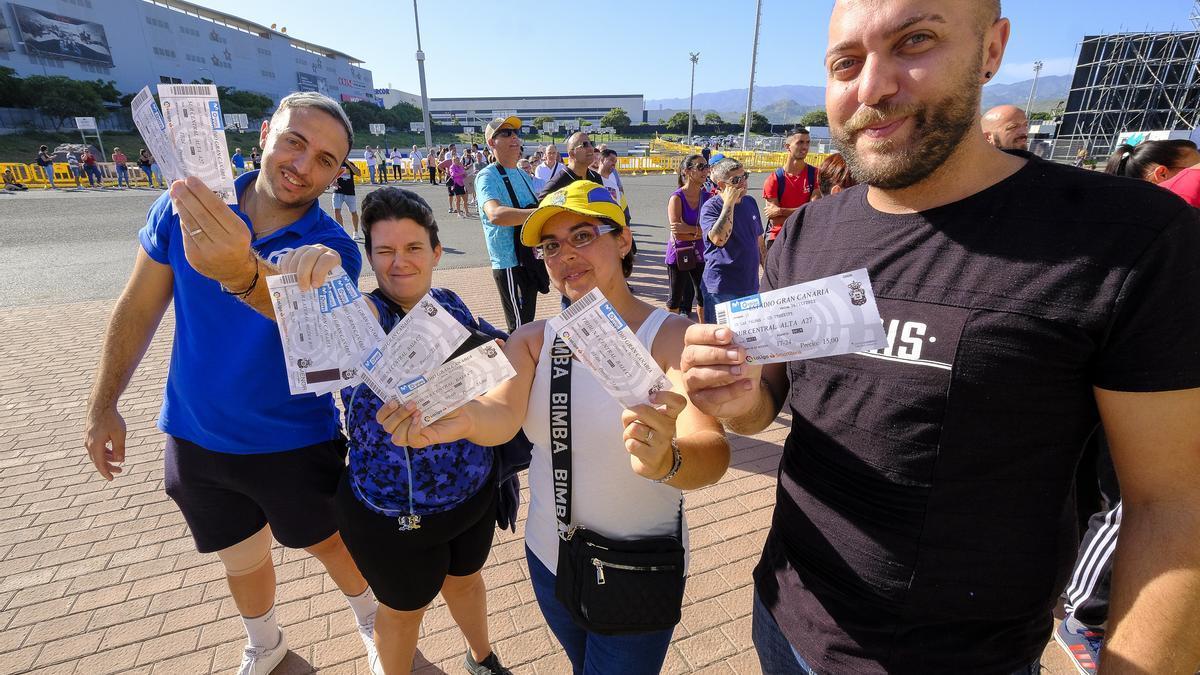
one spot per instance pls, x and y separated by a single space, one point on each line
683 213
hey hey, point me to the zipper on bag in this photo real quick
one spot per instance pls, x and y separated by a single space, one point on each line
600 565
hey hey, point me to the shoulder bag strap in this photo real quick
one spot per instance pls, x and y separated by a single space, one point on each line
560 432
512 194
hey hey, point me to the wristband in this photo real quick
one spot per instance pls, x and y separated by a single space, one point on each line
249 289
676 462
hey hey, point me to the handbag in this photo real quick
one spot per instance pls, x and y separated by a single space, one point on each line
686 258
609 587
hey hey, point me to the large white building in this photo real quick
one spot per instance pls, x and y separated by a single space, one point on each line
147 42
474 111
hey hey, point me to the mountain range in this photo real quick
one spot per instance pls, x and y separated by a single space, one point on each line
784 104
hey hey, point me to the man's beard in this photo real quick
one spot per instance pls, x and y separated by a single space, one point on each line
938 130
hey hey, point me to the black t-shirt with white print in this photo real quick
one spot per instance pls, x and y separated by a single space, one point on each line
923 521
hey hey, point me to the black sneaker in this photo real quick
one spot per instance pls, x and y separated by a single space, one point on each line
489 666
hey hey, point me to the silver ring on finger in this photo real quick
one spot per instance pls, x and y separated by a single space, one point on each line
196 232
649 435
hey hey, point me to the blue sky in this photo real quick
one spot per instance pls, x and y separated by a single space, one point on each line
489 48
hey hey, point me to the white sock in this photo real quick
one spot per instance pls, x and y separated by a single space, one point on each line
363 605
263 631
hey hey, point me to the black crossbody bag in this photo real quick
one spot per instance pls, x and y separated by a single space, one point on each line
610 587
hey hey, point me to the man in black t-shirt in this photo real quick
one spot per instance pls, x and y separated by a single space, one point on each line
580 152
343 195
923 519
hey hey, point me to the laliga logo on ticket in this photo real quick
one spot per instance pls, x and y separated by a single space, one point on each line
743 304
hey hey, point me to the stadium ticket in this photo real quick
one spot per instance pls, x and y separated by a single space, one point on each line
421 342
827 317
197 131
150 124
324 331
457 382
602 341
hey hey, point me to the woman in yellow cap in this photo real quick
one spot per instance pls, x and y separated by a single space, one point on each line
628 467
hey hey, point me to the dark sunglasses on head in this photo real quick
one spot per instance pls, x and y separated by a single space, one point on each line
507 133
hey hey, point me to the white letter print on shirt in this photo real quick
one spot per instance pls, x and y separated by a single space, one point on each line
906 341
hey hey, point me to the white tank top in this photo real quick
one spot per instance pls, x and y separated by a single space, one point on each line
606 495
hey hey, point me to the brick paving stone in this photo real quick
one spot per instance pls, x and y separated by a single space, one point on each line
110 661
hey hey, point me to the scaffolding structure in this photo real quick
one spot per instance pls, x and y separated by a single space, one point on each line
1130 82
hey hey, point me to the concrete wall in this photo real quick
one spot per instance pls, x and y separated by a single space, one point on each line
562 108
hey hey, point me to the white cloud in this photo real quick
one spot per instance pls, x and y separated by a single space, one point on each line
1017 72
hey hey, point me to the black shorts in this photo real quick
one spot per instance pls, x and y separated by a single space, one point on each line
225 498
406 569
456 190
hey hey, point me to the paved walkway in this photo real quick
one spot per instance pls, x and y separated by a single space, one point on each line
102 577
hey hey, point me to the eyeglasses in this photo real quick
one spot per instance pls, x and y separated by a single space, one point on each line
579 238
585 144
699 167
738 180
507 133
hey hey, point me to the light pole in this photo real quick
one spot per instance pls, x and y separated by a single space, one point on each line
695 58
421 72
753 63
1037 68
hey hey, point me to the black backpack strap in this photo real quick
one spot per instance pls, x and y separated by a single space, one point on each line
780 184
560 432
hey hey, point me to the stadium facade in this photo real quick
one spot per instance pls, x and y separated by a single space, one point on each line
1148 83
141 42
474 111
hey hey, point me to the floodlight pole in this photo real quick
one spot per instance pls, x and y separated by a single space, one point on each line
695 58
753 64
1037 68
421 73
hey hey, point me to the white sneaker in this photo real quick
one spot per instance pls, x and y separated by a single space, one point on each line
366 631
262 660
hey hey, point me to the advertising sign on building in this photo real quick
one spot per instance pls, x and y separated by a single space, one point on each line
309 82
62 37
378 129
416 126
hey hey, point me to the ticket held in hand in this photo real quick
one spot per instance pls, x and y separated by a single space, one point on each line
826 317
602 341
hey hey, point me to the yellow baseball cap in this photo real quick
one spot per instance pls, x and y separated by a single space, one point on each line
498 124
582 197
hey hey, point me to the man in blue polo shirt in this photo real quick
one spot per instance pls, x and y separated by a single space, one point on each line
245 460
733 243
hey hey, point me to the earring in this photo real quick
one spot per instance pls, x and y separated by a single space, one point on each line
987 75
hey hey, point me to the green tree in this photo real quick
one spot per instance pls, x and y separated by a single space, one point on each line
539 121
814 118
60 98
106 90
401 114
12 89
617 117
250 103
363 114
758 122
584 123
1041 116
679 122
713 118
